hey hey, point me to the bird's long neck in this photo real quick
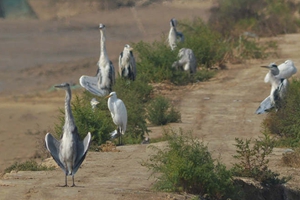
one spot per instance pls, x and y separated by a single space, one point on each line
69 120
103 59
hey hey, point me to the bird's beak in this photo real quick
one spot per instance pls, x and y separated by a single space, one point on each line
107 96
265 67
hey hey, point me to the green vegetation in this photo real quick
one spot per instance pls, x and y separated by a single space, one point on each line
253 162
286 121
185 165
29 165
161 112
262 17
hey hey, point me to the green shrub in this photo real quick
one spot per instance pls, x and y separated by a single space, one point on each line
286 121
29 165
185 165
161 112
263 17
155 61
253 162
98 122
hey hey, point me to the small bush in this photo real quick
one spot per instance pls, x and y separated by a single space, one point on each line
185 165
263 17
291 159
161 112
286 121
30 165
253 162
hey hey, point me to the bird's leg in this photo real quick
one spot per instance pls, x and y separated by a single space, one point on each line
66 185
73 181
118 133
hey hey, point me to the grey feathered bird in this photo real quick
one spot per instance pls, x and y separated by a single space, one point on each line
278 90
187 61
127 65
68 152
102 83
174 35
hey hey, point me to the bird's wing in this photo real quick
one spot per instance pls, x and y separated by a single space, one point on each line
112 73
265 105
120 63
286 71
53 147
121 113
90 83
82 148
180 35
132 65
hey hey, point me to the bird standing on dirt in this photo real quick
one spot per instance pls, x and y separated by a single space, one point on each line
102 83
278 89
127 66
118 113
187 61
174 35
69 152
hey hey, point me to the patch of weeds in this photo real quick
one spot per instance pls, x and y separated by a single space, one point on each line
185 165
253 160
29 165
161 112
291 159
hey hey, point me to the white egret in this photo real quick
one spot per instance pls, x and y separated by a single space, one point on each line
102 83
278 90
118 113
69 152
127 65
187 61
174 35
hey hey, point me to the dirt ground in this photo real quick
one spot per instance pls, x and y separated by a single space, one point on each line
36 54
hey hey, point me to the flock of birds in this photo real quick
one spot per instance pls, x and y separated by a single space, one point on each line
69 152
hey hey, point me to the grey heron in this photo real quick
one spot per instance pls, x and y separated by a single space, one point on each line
102 83
278 90
187 60
68 152
118 113
286 70
127 66
174 35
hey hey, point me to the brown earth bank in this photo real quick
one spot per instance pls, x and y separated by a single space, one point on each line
36 54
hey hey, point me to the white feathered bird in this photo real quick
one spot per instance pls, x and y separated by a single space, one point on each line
118 113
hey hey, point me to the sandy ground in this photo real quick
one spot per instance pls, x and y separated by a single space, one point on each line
35 55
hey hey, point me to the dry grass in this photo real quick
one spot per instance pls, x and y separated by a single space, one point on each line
291 159
108 147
